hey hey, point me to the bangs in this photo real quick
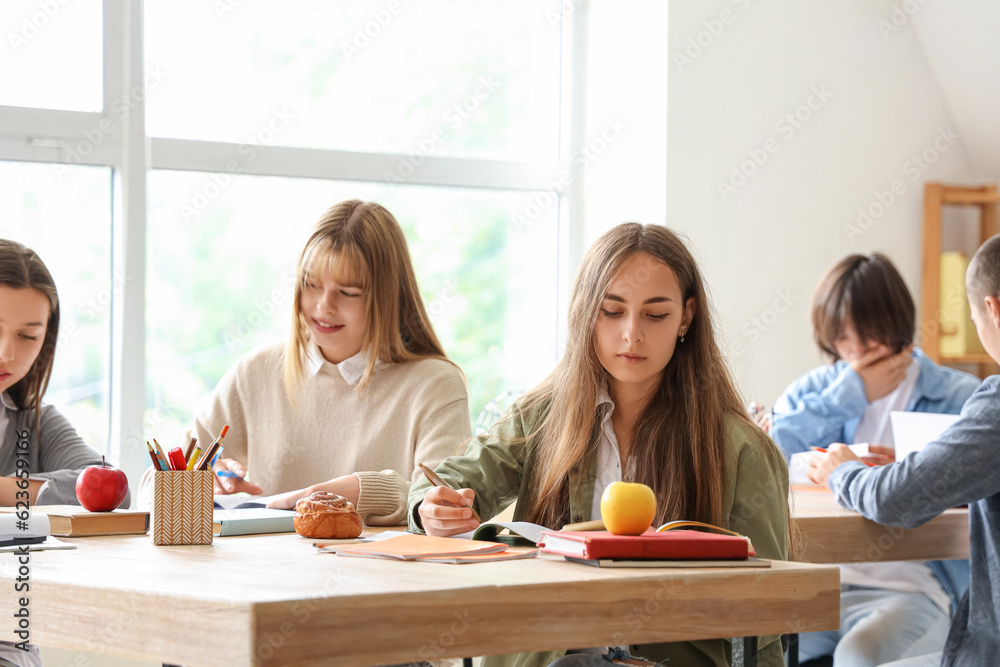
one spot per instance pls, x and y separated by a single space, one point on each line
345 265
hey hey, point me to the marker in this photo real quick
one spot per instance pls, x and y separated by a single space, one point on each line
227 473
176 458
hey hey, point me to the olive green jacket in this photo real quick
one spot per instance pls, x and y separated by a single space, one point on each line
755 504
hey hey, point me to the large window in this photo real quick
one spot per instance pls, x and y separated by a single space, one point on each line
171 193
167 159
432 77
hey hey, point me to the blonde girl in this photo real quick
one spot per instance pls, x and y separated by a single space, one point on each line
361 392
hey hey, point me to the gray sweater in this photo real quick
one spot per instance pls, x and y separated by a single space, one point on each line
961 467
59 459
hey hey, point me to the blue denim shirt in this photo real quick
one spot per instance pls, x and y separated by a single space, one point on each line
962 466
826 406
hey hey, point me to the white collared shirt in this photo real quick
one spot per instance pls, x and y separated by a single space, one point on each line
875 426
609 460
351 369
5 404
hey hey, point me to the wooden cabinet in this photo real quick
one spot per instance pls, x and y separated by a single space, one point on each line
986 200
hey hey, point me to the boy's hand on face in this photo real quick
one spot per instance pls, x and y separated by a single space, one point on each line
882 371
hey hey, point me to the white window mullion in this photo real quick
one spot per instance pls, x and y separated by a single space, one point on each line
572 136
124 72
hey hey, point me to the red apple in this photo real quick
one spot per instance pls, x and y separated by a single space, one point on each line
101 488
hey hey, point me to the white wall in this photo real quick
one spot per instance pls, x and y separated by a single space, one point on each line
764 246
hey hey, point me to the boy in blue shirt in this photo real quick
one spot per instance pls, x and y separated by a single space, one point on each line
864 318
962 466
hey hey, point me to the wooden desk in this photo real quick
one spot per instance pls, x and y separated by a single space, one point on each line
831 534
272 600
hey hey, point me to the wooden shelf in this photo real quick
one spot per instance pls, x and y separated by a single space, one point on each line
936 195
969 359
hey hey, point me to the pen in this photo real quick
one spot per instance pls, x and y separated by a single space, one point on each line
437 481
227 473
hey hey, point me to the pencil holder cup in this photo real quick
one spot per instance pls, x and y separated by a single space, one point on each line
182 507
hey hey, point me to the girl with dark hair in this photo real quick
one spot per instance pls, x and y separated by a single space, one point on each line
642 394
33 431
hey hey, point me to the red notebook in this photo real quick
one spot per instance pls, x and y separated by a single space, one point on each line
670 545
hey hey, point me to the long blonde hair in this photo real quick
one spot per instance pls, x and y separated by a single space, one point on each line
362 245
680 436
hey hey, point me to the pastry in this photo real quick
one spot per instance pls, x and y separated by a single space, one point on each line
326 515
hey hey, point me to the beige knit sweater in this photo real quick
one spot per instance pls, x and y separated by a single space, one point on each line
408 412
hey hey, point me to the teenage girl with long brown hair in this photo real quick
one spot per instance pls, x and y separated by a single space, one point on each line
642 394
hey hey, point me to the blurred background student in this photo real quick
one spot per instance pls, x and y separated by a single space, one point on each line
864 319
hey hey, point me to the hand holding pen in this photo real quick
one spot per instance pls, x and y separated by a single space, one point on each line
446 511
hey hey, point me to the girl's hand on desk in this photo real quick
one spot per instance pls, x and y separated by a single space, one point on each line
227 485
446 511
348 486
821 464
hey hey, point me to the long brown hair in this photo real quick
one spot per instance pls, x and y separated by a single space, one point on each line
22 268
362 245
680 437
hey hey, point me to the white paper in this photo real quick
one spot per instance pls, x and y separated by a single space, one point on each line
912 431
798 464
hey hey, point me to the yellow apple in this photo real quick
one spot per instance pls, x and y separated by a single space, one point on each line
628 508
